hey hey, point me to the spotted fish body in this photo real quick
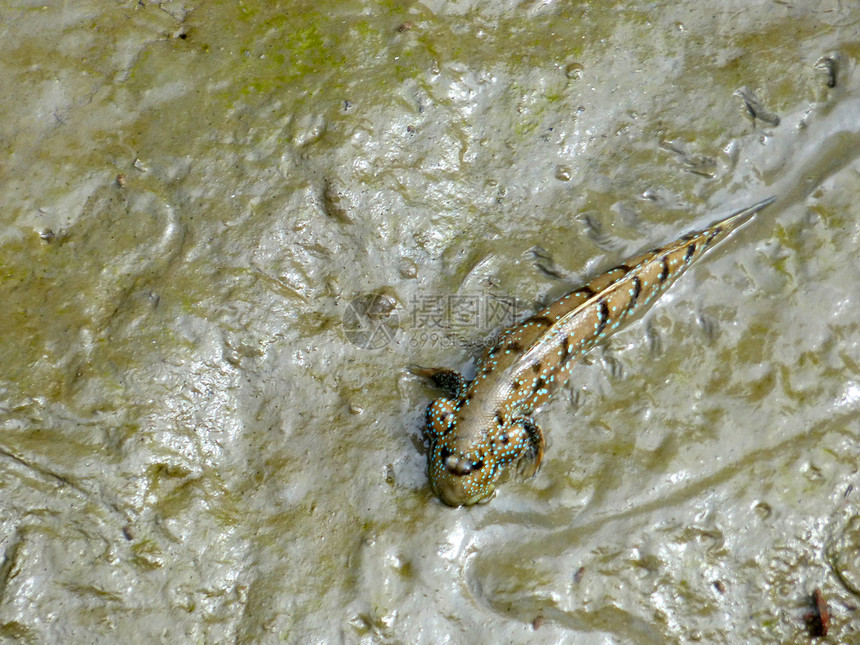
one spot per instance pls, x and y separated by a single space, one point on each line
485 425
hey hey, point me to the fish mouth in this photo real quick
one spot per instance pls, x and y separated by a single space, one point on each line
448 494
458 479
453 491
457 500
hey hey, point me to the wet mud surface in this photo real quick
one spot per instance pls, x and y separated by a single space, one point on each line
228 228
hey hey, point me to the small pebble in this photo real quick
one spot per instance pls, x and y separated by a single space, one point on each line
407 268
574 70
563 173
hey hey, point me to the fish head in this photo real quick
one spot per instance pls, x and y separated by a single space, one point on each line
460 474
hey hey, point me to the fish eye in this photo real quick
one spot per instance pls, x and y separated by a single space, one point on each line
461 467
440 416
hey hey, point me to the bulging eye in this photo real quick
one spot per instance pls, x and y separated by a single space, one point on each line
440 417
460 466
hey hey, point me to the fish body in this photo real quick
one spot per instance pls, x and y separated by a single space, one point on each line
485 425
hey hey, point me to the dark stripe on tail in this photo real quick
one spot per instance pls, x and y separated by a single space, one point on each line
634 296
664 270
690 251
604 317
